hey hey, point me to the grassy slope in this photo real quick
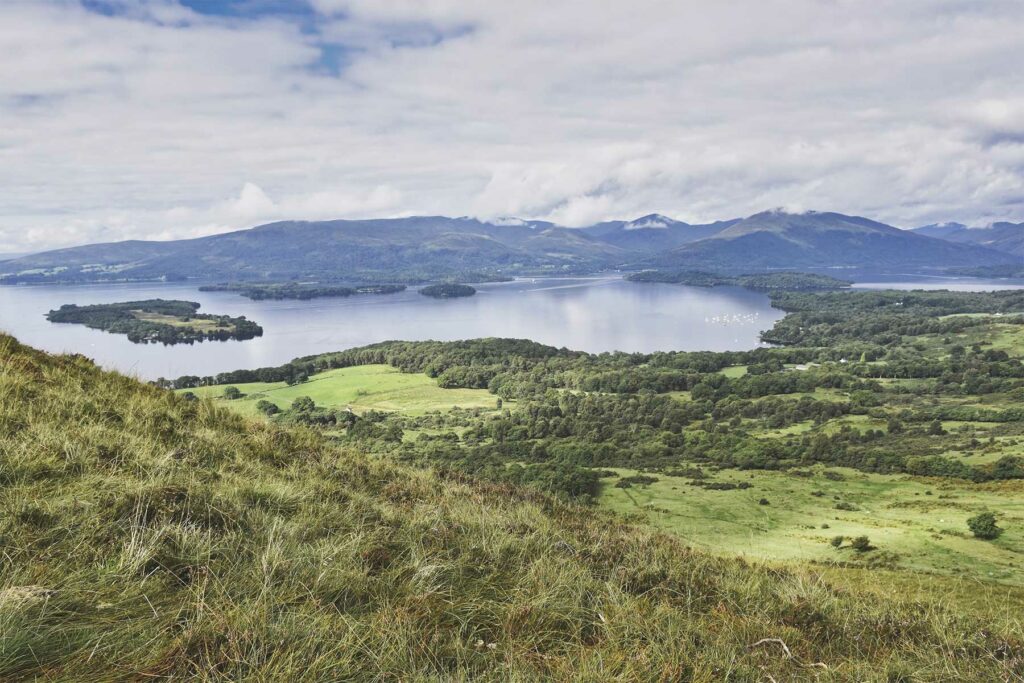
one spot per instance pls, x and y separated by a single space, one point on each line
365 387
925 532
145 536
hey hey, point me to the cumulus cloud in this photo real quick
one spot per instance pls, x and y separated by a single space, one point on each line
150 119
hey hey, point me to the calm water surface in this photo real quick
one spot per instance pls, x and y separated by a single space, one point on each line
589 314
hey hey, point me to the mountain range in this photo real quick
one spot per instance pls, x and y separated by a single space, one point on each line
438 247
1005 237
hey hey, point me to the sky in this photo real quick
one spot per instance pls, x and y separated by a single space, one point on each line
163 119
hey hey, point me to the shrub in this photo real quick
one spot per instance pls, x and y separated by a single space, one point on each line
861 544
983 526
267 408
639 480
232 393
837 541
303 404
763 501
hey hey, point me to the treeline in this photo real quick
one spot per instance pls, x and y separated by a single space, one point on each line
300 291
183 325
762 282
523 367
884 317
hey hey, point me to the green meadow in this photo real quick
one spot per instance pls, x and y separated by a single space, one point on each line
361 388
913 523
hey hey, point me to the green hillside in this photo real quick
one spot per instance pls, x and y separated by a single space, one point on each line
146 536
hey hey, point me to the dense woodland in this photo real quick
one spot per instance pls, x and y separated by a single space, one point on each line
570 413
763 282
448 290
158 321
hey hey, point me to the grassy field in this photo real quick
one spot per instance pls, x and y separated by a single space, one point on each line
914 524
997 335
366 387
198 324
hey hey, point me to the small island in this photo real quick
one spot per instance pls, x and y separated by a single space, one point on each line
447 291
259 291
764 282
158 321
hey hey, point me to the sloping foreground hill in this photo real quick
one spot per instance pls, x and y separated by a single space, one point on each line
147 537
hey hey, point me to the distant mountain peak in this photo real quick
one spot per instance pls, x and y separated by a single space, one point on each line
512 221
652 221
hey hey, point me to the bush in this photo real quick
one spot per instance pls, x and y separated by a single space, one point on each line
983 526
763 501
303 404
861 544
232 393
267 408
639 480
837 541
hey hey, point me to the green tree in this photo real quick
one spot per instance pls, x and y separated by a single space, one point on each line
983 526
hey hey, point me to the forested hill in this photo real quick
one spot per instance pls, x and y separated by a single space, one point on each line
146 536
418 249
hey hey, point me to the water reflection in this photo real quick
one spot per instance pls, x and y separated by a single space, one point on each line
589 314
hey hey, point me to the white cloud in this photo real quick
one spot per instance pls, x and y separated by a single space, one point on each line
163 123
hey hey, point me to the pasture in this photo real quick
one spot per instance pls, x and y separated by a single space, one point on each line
913 523
361 388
